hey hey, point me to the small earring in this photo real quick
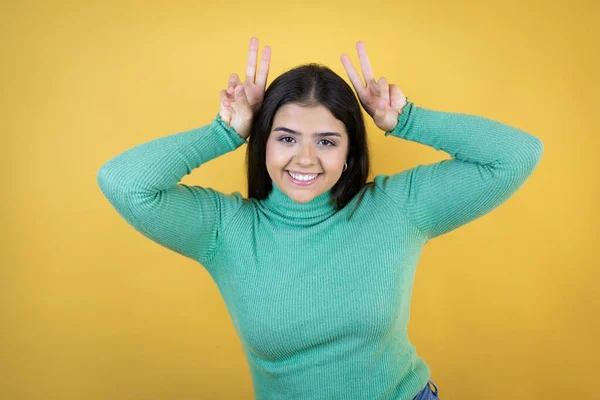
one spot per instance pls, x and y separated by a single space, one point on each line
345 167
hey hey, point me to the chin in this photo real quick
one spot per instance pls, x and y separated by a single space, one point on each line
305 200
300 199
305 197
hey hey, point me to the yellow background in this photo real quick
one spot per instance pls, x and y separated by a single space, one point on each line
504 308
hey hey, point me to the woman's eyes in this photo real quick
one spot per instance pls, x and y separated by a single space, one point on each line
289 137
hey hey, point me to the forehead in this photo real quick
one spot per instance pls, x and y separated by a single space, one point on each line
306 119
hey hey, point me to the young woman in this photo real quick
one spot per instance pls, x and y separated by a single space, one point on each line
316 265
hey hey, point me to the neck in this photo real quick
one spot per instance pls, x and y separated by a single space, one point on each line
316 210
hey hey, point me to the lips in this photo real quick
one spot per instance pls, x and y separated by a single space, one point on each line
302 183
303 173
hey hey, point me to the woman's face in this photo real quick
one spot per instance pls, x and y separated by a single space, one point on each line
306 140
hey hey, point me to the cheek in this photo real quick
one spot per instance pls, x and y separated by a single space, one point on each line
274 158
275 151
335 160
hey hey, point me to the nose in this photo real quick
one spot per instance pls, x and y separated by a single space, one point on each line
306 154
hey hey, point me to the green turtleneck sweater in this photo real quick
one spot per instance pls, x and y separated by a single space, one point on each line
321 302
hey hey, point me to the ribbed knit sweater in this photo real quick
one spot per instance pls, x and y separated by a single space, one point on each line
320 302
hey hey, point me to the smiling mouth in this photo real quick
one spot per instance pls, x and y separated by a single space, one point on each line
304 173
301 182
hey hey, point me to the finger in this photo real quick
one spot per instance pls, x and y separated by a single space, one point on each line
364 61
243 109
374 90
263 71
394 95
224 111
251 65
224 98
355 78
234 80
399 99
384 91
240 95
230 84
380 110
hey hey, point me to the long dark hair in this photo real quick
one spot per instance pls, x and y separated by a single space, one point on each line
310 85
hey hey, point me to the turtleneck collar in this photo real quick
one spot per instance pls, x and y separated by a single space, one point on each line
316 210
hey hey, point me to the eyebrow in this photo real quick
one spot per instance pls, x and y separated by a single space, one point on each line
293 132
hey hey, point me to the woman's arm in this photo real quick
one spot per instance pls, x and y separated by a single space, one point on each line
142 185
491 161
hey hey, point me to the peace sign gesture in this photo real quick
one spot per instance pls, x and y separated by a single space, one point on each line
241 101
383 102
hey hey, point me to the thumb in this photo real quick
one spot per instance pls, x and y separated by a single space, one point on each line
243 110
240 95
380 111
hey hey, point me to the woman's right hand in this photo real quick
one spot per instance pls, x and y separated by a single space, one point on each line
241 100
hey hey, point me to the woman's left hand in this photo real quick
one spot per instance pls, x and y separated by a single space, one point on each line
383 102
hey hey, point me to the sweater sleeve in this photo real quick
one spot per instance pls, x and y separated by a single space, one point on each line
142 185
490 161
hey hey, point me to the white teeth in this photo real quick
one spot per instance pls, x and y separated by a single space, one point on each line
303 177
